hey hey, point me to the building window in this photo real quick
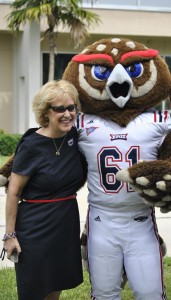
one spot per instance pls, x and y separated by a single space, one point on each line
168 61
145 5
6 1
166 104
61 62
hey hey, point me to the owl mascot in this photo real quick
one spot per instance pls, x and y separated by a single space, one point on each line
127 146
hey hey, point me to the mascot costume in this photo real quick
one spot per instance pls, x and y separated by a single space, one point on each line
127 145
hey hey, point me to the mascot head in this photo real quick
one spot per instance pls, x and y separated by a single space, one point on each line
119 79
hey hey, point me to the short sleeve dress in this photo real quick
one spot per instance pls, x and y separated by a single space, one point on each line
49 233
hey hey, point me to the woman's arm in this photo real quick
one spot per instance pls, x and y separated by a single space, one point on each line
16 185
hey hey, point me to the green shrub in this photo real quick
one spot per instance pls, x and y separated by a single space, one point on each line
2 131
8 143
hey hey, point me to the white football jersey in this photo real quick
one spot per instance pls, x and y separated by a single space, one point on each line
109 147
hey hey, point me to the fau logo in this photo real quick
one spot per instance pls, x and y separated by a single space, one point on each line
119 137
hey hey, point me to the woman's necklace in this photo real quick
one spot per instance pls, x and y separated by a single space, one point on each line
58 149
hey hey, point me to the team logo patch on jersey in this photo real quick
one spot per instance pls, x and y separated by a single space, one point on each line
97 219
91 121
119 136
90 130
141 219
71 142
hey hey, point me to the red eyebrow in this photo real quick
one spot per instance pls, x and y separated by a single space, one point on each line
144 53
86 57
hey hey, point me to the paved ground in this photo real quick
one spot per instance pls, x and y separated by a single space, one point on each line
163 221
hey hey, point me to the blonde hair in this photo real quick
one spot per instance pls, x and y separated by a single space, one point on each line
50 92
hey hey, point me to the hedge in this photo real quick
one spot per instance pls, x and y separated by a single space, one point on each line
8 143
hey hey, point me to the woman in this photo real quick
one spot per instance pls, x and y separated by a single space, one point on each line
42 218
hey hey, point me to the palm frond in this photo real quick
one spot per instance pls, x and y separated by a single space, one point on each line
78 32
31 10
27 13
16 18
18 4
65 12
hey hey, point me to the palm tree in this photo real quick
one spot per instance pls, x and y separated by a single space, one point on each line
56 12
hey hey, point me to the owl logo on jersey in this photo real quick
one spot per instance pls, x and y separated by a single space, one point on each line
119 79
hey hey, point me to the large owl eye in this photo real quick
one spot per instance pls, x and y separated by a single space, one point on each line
100 73
135 70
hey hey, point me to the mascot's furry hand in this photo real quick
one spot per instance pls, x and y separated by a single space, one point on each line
152 180
5 172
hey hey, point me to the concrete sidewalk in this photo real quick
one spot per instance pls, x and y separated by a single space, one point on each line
163 221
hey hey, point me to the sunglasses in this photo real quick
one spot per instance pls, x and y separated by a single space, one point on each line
62 109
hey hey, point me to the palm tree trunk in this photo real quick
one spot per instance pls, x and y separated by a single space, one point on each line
52 47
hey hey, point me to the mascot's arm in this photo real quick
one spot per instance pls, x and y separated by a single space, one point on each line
5 171
152 179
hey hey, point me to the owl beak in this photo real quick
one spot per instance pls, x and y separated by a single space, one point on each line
119 86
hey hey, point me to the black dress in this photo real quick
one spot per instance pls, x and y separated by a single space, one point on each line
49 233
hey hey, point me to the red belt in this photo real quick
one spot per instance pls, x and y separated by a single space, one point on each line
50 200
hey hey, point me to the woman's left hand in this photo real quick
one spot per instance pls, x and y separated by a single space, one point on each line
10 245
